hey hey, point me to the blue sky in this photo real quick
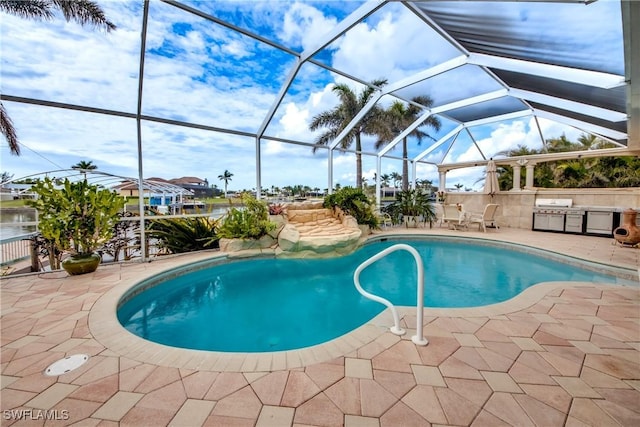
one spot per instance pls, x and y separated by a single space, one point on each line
203 73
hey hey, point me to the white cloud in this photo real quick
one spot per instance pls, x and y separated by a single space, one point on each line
369 175
504 137
206 74
305 25
236 49
551 129
295 121
509 135
371 51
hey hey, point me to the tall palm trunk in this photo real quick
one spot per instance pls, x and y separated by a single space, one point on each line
358 162
405 165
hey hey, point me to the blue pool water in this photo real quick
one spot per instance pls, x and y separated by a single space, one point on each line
272 304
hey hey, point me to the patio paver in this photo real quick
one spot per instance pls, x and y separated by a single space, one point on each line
559 354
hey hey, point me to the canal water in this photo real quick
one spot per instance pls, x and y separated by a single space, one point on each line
13 220
20 221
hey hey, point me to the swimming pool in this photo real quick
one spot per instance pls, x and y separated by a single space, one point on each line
263 305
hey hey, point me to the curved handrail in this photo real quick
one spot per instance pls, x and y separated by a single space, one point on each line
418 338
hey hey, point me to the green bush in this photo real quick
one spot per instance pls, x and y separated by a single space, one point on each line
178 235
250 222
411 203
353 202
77 217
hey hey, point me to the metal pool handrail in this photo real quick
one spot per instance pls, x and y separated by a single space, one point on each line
418 338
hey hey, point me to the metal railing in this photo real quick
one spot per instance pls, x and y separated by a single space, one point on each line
418 338
15 249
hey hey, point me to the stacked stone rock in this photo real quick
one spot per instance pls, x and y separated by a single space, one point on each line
314 231
306 230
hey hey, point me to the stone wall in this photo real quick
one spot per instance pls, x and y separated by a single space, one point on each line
516 207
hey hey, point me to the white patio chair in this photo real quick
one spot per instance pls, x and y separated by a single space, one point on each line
452 215
488 217
384 219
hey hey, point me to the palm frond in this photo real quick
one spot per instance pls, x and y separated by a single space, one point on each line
28 9
9 131
84 12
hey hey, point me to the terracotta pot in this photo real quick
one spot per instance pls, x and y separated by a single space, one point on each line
628 233
81 264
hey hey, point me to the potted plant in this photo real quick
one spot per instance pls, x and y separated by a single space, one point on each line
77 217
412 205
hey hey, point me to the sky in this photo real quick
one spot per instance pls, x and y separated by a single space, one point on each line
201 72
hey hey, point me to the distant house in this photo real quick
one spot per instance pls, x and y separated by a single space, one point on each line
193 186
199 187
130 188
153 186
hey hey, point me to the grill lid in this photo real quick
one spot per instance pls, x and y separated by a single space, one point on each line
554 203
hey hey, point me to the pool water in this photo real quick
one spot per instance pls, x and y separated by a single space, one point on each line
274 304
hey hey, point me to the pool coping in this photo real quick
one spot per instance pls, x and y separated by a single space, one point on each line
107 330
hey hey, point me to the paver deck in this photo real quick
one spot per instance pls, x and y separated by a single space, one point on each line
561 353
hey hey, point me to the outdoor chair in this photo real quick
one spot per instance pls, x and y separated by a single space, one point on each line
452 215
487 218
384 219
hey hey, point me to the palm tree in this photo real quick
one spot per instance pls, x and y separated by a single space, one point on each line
226 177
396 178
384 182
384 179
6 176
337 119
84 167
561 144
425 183
81 11
625 172
592 142
398 117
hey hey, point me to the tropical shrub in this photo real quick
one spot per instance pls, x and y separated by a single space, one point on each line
354 202
77 217
249 222
411 203
178 235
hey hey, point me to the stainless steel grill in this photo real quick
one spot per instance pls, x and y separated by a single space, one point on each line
561 216
548 214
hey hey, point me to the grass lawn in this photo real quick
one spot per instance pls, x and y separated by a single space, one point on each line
13 203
